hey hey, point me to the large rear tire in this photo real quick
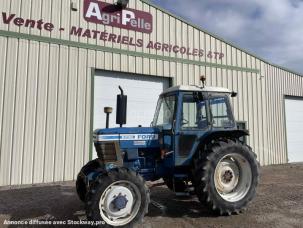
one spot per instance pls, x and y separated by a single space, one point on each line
226 176
119 198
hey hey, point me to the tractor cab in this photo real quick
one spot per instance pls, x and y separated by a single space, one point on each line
187 114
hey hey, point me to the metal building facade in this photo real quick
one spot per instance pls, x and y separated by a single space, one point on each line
46 85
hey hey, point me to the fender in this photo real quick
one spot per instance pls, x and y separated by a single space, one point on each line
208 137
233 134
211 135
91 170
88 172
92 166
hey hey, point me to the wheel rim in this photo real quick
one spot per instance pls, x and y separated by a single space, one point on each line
233 177
119 203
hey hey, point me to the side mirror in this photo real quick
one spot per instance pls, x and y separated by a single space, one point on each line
121 108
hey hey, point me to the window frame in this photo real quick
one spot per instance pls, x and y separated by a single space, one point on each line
228 109
206 112
155 120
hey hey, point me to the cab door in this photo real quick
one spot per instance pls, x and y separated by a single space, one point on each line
192 122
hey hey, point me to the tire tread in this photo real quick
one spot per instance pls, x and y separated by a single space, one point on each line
205 161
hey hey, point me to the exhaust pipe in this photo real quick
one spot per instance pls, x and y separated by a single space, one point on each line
121 114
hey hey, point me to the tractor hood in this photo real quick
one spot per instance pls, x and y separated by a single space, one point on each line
138 137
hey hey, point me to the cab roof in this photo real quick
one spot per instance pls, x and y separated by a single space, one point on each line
193 88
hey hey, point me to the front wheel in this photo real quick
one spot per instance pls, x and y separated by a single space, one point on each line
226 176
81 187
119 198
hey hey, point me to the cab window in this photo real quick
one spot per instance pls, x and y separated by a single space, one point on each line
221 113
165 112
193 113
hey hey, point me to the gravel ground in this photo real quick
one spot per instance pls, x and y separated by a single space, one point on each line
279 203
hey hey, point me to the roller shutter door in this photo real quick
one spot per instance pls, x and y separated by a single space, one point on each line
294 128
142 92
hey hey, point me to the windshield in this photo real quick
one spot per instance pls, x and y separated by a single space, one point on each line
164 115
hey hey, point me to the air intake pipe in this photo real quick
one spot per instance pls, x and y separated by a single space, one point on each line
108 111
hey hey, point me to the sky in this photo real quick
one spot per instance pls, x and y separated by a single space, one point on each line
271 29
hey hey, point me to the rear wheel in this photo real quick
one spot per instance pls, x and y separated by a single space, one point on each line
120 198
226 176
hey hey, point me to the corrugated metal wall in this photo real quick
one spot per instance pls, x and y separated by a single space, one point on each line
45 88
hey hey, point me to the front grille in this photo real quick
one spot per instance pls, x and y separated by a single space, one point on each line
106 151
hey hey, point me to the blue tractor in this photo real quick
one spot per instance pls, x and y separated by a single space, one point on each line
193 144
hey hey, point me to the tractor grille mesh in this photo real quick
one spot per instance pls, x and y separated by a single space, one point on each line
106 151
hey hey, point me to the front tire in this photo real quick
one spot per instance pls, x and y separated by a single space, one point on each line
226 176
119 198
81 187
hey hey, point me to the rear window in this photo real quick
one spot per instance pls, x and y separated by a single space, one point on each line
221 112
